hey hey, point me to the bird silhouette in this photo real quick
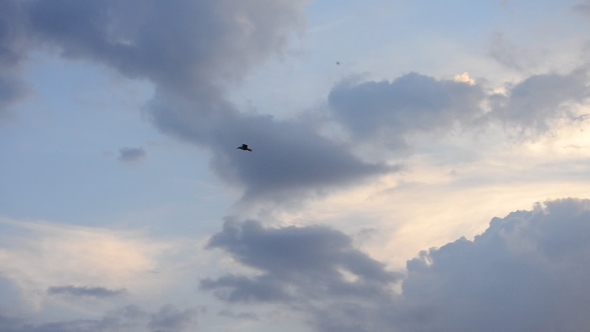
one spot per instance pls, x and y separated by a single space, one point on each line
244 147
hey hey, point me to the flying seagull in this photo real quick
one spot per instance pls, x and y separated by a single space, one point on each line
244 147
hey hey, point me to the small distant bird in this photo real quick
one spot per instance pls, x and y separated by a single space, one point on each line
338 63
244 147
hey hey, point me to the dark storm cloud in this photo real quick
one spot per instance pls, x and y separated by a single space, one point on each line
130 318
413 102
297 265
131 154
98 292
529 271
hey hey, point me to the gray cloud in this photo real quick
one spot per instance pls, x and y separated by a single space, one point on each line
98 292
130 318
534 103
170 319
387 112
193 51
13 47
582 8
390 110
131 154
298 266
290 158
529 271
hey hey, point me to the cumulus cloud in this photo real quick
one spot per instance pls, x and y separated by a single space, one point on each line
527 271
388 112
131 154
413 102
534 103
97 292
171 319
130 318
241 315
305 268
194 51
183 46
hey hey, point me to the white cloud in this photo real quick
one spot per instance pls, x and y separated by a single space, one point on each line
37 256
464 78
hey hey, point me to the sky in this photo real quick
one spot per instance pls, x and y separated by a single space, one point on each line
417 166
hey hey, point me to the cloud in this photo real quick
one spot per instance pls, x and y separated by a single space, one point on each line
129 318
387 113
297 265
527 271
97 292
185 47
36 257
290 159
195 52
131 154
582 8
533 104
170 319
13 47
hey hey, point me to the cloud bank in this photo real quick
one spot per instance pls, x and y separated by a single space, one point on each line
195 52
527 271
388 113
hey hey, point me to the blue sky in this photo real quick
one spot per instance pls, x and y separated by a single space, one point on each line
416 166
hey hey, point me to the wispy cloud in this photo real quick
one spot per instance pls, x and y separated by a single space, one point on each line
132 154
97 292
